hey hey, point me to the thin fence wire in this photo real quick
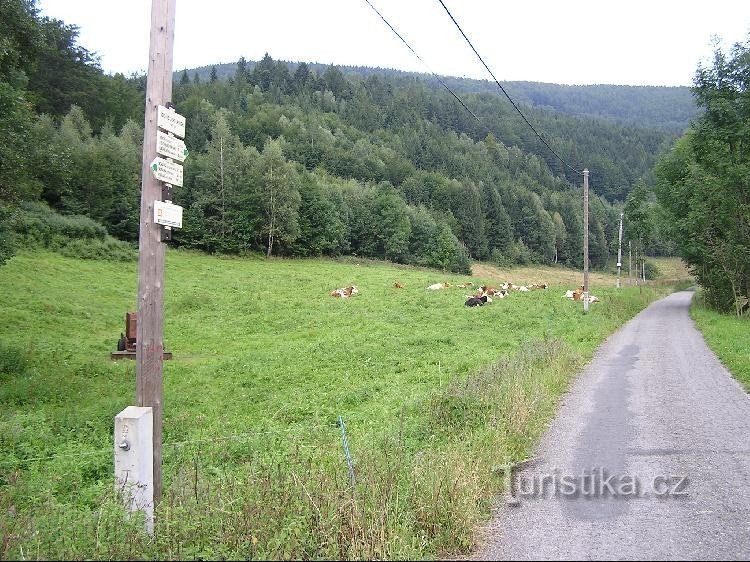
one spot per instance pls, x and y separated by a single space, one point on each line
235 437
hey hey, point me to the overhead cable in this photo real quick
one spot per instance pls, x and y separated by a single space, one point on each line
541 138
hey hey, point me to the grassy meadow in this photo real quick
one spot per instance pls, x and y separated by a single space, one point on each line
728 336
433 395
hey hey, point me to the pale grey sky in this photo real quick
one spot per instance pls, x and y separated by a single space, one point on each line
639 42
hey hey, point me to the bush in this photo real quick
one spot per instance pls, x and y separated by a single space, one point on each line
652 271
462 263
75 236
108 249
520 254
36 223
7 246
502 259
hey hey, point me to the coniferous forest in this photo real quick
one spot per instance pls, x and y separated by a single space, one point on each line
297 425
307 160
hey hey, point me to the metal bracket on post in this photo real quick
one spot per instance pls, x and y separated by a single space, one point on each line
166 196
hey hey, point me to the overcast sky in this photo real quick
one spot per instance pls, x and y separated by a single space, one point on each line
639 42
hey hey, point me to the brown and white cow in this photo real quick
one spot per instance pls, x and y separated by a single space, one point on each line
345 292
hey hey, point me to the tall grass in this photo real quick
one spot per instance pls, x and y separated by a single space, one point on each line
417 492
727 335
434 396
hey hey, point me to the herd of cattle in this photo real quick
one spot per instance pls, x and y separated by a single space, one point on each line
482 296
485 293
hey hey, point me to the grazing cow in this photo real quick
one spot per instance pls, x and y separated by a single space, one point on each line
345 292
539 286
438 286
577 295
465 285
477 301
485 291
398 285
490 291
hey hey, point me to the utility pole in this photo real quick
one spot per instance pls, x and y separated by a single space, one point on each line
630 262
637 273
619 253
150 327
585 241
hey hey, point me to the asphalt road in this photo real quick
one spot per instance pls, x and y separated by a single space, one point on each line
648 457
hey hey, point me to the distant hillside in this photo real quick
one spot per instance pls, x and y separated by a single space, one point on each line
293 161
668 109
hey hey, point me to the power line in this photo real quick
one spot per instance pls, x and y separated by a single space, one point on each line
541 138
442 82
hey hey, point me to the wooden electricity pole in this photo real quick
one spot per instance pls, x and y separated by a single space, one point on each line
585 241
630 263
619 253
150 326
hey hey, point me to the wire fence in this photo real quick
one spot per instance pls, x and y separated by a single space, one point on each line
308 430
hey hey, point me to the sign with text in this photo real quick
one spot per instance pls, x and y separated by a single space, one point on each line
167 214
167 171
171 121
170 146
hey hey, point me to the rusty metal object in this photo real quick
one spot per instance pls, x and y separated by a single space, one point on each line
131 324
127 342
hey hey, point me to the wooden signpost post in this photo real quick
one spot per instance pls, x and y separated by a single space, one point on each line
138 429
150 328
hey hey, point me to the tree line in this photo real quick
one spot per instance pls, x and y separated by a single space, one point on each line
306 163
664 108
704 182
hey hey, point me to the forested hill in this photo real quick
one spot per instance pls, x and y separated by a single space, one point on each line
668 109
618 155
306 162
